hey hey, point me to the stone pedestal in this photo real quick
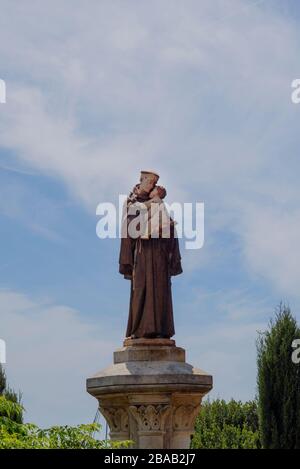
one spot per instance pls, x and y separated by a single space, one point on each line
150 394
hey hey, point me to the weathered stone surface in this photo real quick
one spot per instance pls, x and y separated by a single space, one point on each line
154 373
149 342
149 353
150 395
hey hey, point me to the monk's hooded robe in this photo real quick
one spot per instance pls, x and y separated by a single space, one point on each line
149 265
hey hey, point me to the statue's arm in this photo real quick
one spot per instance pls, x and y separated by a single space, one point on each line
126 257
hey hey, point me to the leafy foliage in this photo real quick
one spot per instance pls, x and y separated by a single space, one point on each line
10 410
16 412
278 383
14 435
2 380
222 425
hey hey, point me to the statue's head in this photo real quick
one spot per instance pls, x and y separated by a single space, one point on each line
148 180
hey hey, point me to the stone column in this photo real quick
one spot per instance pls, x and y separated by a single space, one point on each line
150 395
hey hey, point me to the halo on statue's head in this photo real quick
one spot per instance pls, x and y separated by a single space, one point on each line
150 171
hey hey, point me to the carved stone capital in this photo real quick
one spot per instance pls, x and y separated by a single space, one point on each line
117 419
150 417
184 417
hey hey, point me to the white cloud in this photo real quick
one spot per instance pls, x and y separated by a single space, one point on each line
224 341
51 350
271 245
228 352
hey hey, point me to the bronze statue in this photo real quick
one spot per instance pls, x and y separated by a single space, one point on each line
149 261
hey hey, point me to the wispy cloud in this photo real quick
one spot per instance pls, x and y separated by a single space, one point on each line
51 349
17 170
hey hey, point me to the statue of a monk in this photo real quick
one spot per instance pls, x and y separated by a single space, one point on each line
149 261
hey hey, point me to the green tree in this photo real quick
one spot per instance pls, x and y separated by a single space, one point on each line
222 425
278 382
10 395
14 435
2 380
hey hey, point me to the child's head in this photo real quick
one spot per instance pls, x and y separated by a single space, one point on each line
158 191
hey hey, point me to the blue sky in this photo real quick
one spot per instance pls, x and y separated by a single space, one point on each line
202 92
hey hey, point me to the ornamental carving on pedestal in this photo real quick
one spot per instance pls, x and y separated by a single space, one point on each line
185 416
117 418
150 417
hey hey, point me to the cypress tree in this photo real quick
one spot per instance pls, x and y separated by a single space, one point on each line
278 383
2 380
10 395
